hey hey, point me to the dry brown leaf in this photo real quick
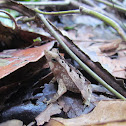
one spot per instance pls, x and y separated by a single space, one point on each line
54 123
115 66
105 111
11 60
73 106
43 117
115 123
110 46
13 122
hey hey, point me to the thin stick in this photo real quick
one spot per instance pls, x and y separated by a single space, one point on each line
94 13
24 20
59 12
106 19
113 5
85 67
11 17
78 4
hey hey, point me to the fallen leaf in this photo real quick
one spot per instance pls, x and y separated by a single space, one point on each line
104 112
52 109
114 66
54 123
110 46
14 59
115 123
17 38
13 122
73 106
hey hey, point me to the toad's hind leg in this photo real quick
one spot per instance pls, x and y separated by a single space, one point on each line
61 90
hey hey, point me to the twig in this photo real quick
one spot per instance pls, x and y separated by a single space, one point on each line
85 67
24 20
11 17
58 13
49 3
109 21
113 5
106 19
78 4
9 4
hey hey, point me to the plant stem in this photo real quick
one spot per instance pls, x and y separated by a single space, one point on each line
106 19
24 20
85 67
11 17
113 5
59 12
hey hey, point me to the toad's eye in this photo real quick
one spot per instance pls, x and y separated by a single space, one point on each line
54 60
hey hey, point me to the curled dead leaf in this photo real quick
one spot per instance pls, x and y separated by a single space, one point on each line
43 117
106 111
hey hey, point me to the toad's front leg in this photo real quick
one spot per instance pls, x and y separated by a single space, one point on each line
61 90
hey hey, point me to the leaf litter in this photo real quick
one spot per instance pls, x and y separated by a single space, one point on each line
87 35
